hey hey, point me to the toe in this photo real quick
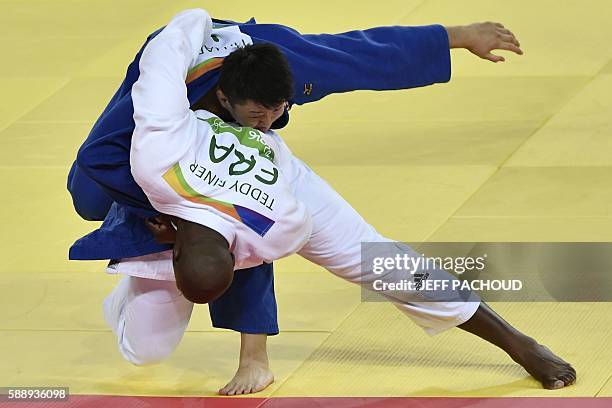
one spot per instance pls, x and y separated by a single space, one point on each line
553 384
259 387
571 376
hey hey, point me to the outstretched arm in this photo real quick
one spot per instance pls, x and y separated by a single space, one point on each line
379 58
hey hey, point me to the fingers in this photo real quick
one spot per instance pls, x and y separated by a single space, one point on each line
494 58
492 36
510 47
162 232
505 31
153 225
510 39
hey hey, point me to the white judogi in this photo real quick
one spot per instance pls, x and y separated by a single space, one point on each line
184 163
194 166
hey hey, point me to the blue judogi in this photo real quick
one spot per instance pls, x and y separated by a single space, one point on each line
102 186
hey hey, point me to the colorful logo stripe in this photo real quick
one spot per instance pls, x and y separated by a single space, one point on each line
246 136
202 68
252 219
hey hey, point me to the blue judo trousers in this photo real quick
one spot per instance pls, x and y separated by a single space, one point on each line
102 186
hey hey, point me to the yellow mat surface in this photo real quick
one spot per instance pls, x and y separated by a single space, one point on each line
519 151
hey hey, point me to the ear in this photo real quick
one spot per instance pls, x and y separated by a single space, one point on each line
222 99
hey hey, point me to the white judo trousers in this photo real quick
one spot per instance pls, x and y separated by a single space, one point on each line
172 150
149 314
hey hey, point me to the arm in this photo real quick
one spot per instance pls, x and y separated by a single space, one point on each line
160 94
164 124
380 58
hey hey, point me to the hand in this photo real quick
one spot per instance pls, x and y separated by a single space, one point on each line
162 229
482 38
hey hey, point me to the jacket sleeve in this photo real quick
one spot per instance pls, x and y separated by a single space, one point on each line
164 123
380 58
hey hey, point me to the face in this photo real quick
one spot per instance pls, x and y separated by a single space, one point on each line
252 114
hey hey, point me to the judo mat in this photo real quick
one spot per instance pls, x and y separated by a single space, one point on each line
518 151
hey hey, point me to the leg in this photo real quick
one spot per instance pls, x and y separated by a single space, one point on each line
89 200
537 359
338 231
249 306
150 324
149 318
253 373
335 243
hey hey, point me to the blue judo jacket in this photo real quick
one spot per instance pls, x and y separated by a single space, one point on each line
102 187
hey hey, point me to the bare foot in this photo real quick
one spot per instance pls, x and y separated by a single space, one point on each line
543 364
253 373
249 379
538 360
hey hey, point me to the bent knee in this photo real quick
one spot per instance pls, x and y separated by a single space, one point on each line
91 209
88 199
